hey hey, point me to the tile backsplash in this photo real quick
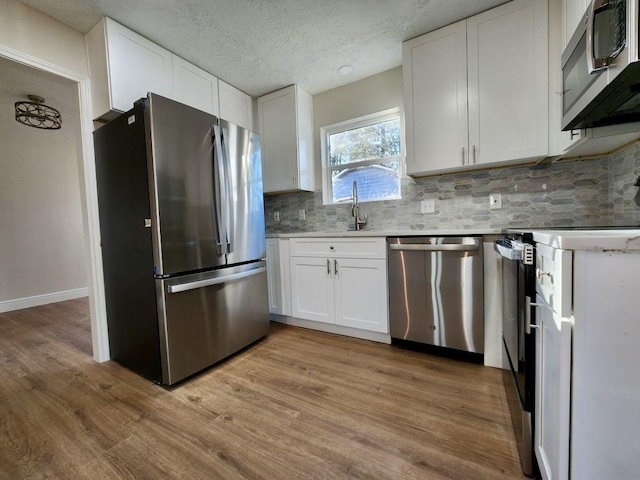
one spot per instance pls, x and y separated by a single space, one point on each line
565 193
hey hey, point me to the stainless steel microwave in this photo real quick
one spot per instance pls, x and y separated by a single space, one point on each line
600 67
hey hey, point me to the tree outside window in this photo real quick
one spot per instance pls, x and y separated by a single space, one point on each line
365 150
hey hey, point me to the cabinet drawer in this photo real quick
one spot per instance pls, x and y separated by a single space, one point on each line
554 278
374 247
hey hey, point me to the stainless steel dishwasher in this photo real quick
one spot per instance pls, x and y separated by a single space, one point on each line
436 291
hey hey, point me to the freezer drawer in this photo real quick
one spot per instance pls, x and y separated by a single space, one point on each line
207 317
436 294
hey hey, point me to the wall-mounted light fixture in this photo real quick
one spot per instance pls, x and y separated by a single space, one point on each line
38 115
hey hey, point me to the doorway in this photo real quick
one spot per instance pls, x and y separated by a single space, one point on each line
90 254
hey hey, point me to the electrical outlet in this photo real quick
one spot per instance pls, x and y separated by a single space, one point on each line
276 216
428 206
495 201
302 215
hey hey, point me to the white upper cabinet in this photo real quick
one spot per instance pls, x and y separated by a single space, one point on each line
195 87
285 124
435 86
235 105
124 67
508 82
476 92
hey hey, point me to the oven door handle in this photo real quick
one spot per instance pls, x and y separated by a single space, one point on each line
527 314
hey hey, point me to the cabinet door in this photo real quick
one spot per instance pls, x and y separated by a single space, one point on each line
195 87
136 67
312 289
508 82
277 127
273 276
361 294
235 106
553 392
435 98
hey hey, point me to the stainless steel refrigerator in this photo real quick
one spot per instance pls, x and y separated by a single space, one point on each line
183 238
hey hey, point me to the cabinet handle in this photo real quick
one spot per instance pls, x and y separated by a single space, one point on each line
295 181
328 267
527 314
462 155
335 267
473 152
574 133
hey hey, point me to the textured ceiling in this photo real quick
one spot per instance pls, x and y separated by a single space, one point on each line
262 45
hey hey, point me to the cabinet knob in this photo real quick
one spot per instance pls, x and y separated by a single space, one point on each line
541 273
433 327
331 247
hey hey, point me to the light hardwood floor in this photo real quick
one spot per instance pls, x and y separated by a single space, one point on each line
299 404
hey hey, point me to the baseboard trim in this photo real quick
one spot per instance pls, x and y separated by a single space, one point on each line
37 300
331 328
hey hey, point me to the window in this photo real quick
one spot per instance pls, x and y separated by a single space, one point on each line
366 150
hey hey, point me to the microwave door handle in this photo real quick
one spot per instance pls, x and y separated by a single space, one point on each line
599 64
591 55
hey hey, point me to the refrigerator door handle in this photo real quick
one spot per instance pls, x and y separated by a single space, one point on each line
183 287
219 194
229 225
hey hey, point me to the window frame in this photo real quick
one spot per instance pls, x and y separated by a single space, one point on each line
352 124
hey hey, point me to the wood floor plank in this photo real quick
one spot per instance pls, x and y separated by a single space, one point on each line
299 404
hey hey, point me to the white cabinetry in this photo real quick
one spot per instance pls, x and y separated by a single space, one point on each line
124 67
285 124
195 87
340 281
588 381
553 361
235 105
476 92
278 276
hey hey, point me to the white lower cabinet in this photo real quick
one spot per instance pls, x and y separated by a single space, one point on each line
553 387
278 276
313 289
335 289
361 293
587 375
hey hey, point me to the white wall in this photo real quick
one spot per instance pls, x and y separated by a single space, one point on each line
370 95
38 35
42 250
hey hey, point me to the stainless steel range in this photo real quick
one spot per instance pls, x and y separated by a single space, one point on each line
518 288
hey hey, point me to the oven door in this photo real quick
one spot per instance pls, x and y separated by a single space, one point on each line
519 380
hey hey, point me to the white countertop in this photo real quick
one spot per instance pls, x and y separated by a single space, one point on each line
389 233
621 239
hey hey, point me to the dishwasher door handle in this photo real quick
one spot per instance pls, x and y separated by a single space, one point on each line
427 247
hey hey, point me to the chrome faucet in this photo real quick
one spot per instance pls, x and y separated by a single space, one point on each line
355 208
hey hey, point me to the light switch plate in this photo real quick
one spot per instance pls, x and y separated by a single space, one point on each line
276 216
428 206
302 215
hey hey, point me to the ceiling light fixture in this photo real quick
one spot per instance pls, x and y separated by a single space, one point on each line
346 69
38 115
